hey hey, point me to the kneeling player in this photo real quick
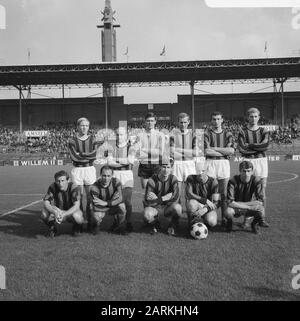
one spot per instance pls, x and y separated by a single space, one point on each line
201 197
62 203
245 197
162 194
106 195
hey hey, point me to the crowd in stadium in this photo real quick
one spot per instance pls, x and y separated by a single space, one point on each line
56 141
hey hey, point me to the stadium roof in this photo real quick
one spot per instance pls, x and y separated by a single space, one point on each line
149 72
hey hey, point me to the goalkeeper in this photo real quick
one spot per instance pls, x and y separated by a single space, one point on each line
62 203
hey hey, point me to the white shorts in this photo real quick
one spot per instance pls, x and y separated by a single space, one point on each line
218 168
260 166
125 177
83 175
182 169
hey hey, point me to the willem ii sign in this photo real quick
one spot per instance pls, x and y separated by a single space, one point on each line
38 162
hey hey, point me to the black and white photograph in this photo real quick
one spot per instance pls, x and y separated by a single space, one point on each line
149 152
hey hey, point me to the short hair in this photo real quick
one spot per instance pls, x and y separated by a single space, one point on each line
60 174
253 110
183 115
245 165
106 167
150 114
81 120
217 113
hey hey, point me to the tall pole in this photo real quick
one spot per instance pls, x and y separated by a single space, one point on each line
63 101
274 102
106 111
20 110
282 104
192 83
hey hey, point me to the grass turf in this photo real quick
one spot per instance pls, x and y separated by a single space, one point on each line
235 266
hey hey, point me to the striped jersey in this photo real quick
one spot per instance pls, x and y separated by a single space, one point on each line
245 192
120 154
150 146
223 139
183 145
160 189
199 190
82 152
64 200
112 194
257 140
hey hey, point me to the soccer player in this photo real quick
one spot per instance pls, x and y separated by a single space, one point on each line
120 157
62 203
218 146
149 148
83 148
183 150
253 142
161 196
245 197
106 195
202 197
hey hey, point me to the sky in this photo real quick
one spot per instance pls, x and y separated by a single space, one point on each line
64 31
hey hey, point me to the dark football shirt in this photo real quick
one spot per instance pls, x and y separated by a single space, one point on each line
64 200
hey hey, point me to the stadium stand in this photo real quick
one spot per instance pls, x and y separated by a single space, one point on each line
283 139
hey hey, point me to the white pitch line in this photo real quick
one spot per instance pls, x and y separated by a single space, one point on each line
295 176
20 208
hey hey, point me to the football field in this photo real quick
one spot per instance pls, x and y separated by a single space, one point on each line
139 266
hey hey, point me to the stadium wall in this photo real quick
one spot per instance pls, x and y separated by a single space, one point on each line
41 111
234 106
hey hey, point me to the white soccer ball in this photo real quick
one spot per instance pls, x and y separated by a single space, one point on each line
199 231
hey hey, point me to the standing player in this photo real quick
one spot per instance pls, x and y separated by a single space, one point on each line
149 148
62 203
183 150
82 148
106 195
218 146
161 196
245 197
201 195
253 142
120 157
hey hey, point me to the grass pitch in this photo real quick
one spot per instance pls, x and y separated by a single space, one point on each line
235 266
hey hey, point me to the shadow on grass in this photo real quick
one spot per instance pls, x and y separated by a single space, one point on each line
27 223
182 231
273 294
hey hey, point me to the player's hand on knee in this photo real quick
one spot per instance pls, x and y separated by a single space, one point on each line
167 197
211 205
151 196
99 202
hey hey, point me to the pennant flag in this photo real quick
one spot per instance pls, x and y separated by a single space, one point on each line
126 52
266 46
163 52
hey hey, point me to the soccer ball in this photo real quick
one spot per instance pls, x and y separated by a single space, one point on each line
199 231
